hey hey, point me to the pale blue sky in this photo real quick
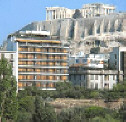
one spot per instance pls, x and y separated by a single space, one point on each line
14 14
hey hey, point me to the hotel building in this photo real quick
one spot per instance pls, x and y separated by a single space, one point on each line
41 60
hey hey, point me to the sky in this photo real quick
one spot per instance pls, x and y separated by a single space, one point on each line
15 14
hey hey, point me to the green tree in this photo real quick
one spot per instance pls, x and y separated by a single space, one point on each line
8 99
43 112
26 108
77 14
64 89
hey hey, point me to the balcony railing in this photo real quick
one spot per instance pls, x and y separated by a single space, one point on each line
38 66
47 73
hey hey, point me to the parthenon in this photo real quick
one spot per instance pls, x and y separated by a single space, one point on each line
88 10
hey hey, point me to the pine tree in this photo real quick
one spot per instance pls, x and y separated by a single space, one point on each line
8 99
43 112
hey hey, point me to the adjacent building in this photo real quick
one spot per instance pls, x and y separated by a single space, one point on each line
94 78
94 71
118 59
98 61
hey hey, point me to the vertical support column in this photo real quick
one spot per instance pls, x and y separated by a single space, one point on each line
55 14
105 12
47 15
60 14
65 13
52 14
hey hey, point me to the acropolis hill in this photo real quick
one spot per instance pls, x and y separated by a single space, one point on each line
108 29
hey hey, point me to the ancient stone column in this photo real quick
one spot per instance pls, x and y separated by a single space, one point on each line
52 14
55 14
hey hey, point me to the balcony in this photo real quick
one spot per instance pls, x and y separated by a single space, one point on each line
48 53
38 66
42 73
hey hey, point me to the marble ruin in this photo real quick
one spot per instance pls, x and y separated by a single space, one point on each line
88 10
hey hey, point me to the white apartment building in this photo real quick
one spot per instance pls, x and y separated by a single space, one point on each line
38 59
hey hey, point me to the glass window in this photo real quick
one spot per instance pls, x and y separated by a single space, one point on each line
92 85
96 85
77 60
115 56
106 77
114 77
84 60
96 77
92 77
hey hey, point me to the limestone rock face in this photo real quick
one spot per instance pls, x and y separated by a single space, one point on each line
82 33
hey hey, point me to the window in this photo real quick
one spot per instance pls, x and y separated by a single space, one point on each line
11 56
92 77
115 63
106 77
115 56
77 60
82 77
92 85
114 77
106 85
96 77
70 77
84 61
96 85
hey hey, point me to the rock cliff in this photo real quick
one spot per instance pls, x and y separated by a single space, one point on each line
82 33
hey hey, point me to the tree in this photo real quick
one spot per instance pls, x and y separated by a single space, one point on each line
43 112
26 108
8 99
64 89
77 14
